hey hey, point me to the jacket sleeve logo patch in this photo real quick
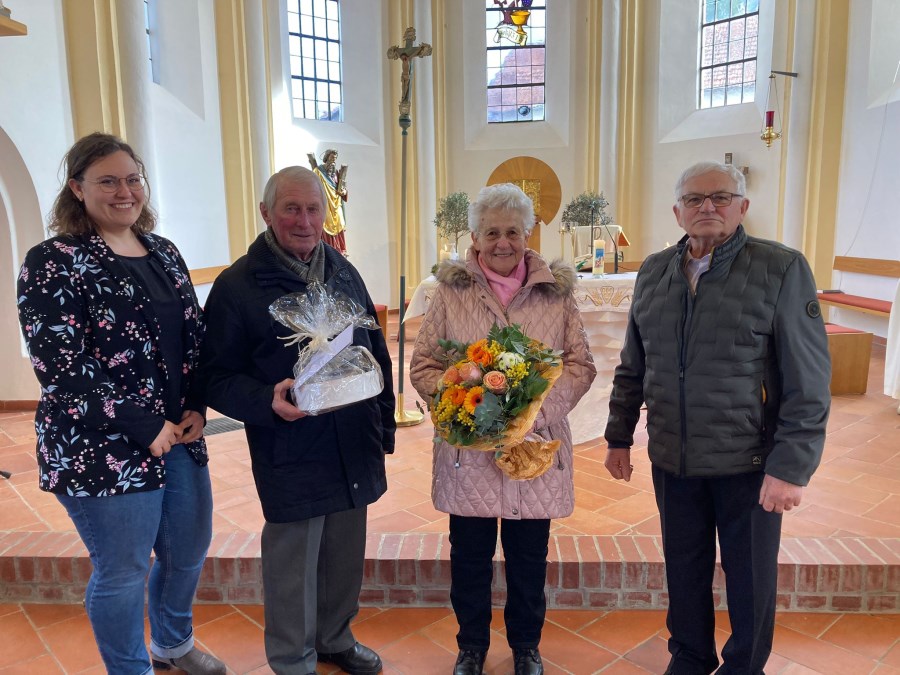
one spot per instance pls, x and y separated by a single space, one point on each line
813 309
756 460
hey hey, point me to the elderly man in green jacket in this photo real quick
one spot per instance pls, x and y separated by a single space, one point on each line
727 348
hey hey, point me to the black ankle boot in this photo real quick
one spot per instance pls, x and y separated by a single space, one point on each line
528 662
469 662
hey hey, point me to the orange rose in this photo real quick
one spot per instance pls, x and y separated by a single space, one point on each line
470 372
495 382
473 399
478 352
451 376
457 395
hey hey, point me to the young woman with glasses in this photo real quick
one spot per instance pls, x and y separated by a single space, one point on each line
113 328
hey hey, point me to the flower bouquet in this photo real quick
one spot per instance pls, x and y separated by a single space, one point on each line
490 396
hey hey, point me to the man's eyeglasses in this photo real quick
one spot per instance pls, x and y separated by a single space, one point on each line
135 182
692 200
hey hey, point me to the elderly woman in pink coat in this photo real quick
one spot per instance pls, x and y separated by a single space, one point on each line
503 282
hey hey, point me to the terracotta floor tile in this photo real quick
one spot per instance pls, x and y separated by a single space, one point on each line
47 615
443 632
575 619
416 654
819 655
623 666
871 636
9 608
620 631
808 623
892 658
205 613
572 652
399 521
652 655
23 643
42 665
72 642
235 640
394 623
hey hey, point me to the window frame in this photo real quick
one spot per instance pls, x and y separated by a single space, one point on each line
332 46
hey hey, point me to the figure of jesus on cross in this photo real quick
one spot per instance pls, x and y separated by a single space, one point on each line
406 54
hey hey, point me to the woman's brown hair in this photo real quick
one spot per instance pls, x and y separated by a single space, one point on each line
69 215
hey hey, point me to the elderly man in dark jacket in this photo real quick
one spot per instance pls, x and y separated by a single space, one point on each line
315 474
726 346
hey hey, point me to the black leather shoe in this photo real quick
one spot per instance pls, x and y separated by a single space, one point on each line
469 662
358 660
528 662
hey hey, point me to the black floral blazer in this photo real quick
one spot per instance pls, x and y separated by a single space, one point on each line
93 338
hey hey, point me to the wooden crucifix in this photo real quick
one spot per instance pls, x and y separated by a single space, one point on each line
405 54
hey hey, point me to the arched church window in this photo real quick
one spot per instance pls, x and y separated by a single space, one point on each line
314 44
515 33
729 32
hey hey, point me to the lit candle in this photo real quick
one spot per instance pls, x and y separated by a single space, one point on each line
770 118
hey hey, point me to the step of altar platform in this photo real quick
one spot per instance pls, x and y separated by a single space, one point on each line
413 569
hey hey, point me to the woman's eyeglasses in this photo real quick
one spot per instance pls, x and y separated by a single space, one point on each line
135 182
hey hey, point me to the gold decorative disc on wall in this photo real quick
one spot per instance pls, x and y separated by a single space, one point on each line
529 170
538 181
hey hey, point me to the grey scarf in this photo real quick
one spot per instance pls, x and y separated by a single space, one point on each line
314 270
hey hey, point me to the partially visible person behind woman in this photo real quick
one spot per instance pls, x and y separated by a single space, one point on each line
113 328
503 282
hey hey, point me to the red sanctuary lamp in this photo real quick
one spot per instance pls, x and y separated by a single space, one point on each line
768 133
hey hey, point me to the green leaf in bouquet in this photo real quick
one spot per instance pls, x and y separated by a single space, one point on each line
534 386
453 350
488 415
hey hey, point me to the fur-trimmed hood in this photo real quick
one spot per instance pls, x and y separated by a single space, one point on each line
557 279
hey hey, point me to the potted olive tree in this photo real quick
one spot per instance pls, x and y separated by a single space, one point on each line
452 220
586 210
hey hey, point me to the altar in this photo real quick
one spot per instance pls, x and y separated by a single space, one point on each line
604 303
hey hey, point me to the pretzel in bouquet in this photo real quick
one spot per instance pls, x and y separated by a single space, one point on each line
490 395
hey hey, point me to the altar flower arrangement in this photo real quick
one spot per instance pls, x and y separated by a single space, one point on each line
490 395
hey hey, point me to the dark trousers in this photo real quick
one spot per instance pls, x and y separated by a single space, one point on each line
312 575
692 511
473 542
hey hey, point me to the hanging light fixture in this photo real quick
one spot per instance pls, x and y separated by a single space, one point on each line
768 133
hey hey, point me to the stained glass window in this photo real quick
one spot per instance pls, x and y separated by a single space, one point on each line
728 42
314 46
515 34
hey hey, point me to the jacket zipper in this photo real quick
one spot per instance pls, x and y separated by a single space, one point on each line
687 315
456 463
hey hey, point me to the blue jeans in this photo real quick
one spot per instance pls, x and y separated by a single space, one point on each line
119 533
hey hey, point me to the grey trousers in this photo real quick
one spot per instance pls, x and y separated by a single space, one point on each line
312 576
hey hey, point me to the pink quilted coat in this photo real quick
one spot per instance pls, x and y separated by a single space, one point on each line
467 482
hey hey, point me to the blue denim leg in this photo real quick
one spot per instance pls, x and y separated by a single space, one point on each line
185 531
118 533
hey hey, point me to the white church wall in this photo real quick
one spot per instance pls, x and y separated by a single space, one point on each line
35 132
188 185
867 220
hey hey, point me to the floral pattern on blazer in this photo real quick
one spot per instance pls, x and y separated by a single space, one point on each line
93 338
